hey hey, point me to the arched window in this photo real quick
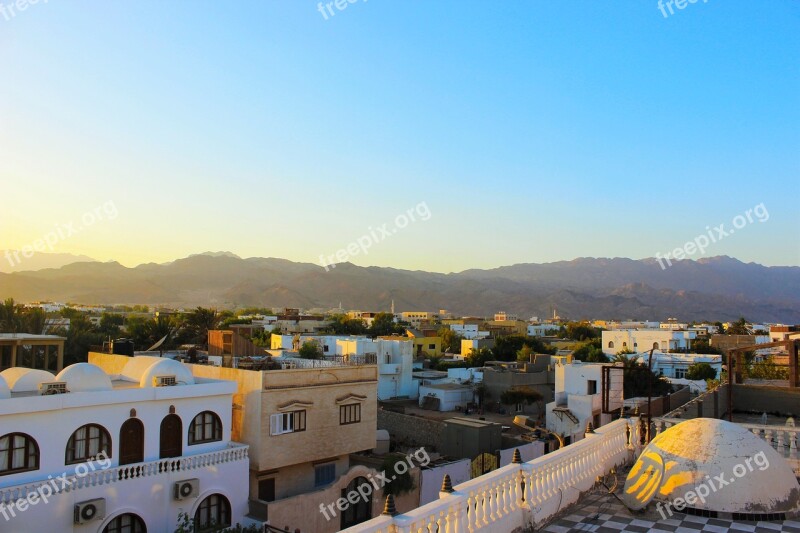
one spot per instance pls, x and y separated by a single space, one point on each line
624 344
86 443
655 346
214 512
18 453
610 344
126 523
206 427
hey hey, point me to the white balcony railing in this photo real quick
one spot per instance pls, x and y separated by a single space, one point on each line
234 452
518 494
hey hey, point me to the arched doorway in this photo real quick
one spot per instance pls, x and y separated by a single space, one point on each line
361 511
131 442
171 437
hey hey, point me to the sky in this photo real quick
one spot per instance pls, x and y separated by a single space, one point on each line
436 136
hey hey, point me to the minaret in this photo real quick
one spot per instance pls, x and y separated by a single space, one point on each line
392 306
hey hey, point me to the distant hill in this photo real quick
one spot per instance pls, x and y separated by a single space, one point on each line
719 288
14 261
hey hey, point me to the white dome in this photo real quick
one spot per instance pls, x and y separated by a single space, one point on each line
21 379
167 367
85 377
696 453
5 391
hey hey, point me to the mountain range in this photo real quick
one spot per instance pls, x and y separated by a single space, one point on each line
717 288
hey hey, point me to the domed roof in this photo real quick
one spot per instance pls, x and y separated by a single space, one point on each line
740 472
85 377
5 391
21 379
167 367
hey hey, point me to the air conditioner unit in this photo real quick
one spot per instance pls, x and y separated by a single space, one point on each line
188 488
164 381
90 510
53 387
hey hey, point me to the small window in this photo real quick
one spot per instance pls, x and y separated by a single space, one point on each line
324 474
350 414
680 373
610 344
86 443
431 346
591 386
18 453
205 427
291 422
624 344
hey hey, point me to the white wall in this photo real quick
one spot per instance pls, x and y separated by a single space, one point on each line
431 479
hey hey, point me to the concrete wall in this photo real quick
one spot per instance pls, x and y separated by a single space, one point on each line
411 430
759 399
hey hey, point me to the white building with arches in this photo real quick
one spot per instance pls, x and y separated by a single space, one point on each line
643 340
124 448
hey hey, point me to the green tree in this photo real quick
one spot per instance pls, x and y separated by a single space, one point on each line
766 369
701 371
478 358
340 324
383 324
522 394
638 378
401 483
198 323
738 328
451 341
590 352
579 331
506 347
310 350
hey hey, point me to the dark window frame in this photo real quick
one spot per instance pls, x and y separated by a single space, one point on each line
116 525
32 455
349 413
213 513
211 425
104 445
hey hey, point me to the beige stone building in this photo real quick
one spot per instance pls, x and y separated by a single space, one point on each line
301 425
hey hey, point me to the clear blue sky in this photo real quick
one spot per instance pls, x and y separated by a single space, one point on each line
533 131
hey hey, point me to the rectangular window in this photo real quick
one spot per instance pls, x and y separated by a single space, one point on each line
680 373
324 474
431 346
350 414
591 386
292 422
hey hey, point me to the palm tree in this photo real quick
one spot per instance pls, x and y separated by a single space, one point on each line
199 322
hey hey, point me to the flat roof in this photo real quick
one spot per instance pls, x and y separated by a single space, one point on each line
29 337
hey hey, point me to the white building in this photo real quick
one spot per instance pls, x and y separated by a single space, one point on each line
122 449
468 331
675 365
642 340
541 330
394 358
578 398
